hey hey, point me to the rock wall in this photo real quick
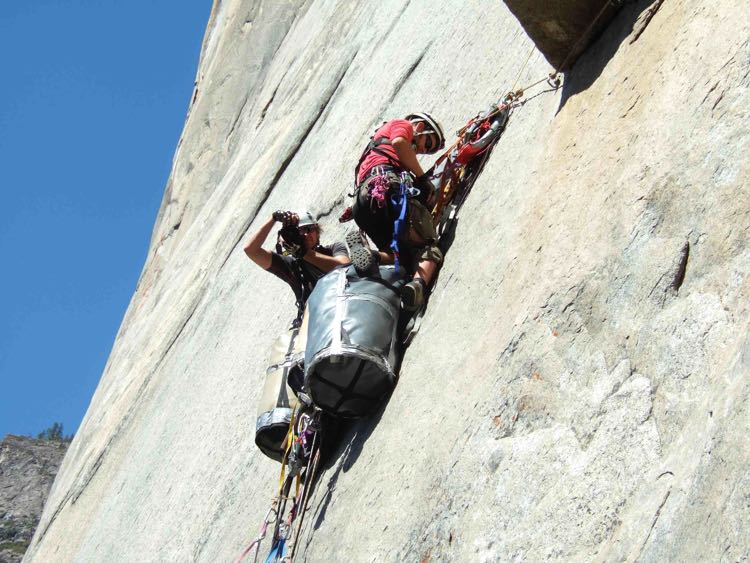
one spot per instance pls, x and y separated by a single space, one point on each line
579 387
562 30
27 469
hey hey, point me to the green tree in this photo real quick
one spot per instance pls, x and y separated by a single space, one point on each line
54 433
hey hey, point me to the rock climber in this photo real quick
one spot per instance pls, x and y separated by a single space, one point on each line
300 260
393 149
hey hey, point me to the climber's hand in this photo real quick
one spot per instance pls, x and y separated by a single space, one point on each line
286 218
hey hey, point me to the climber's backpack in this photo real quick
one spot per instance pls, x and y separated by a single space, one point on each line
352 342
278 399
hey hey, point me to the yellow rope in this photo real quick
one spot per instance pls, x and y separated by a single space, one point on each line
289 442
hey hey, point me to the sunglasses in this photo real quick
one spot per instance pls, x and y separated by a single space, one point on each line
431 144
307 229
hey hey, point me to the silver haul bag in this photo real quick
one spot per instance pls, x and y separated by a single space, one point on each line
278 399
352 342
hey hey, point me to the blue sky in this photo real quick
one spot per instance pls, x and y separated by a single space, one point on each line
93 99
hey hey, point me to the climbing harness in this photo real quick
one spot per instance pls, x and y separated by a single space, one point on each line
373 146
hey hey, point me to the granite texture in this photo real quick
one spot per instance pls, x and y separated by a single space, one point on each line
579 387
562 29
27 469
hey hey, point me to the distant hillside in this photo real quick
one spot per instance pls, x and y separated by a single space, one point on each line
27 470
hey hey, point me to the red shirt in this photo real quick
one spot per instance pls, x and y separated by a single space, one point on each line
390 130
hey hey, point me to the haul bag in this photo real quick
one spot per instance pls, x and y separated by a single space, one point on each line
352 347
278 400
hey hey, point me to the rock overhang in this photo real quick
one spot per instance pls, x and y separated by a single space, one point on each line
562 30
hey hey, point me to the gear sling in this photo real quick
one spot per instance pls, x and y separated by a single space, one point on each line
377 206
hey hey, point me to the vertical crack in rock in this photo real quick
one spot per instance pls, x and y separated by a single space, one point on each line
272 98
716 103
270 101
673 277
193 99
328 104
543 341
405 77
710 90
327 211
679 275
237 118
299 14
627 111
393 25
323 106
194 308
89 475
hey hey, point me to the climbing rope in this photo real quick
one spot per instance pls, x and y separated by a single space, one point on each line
310 472
294 441
270 518
523 66
553 78
287 530
287 450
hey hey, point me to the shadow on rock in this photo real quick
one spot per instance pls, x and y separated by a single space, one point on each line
589 66
351 436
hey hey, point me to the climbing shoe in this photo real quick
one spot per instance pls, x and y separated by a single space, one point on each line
360 254
412 294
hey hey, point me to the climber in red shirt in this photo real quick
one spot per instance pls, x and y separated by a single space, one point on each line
393 149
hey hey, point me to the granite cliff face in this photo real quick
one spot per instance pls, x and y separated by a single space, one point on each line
579 388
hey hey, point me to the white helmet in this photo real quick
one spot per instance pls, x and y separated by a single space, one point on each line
306 218
431 125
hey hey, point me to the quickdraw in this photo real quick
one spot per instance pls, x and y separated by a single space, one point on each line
270 518
299 466
456 169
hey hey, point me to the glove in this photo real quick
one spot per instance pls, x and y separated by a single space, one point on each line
425 187
423 183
